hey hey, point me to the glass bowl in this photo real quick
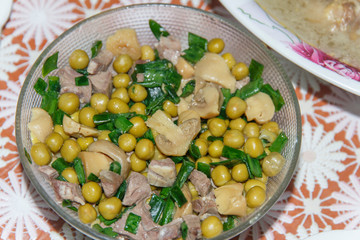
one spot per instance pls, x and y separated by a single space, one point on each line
178 20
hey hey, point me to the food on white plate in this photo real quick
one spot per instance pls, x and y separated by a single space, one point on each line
176 143
332 26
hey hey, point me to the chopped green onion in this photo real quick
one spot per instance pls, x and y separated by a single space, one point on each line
106 117
58 117
95 49
54 83
114 136
177 195
168 212
186 168
157 205
60 165
255 70
107 231
255 166
27 155
132 223
256 81
120 193
212 138
123 124
49 102
188 89
79 169
279 143
232 153
115 167
194 150
195 40
82 81
106 126
93 178
184 230
68 204
177 159
40 86
229 223
50 64
157 29
83 71
205 168
229 163
275 96
61 178
108 222
173 97
193 54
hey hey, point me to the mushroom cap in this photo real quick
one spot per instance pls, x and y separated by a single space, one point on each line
206 102
213 68
229 199
76 129
260 108
41 124
112 151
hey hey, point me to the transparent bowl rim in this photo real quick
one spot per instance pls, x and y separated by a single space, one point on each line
97 235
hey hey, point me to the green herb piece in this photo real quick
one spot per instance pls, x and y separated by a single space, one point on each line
68 204
227 95
205 168
229 163
172 96
213 139
279 143
149 135
93 178
83 71
54 83
123 124
61 178
184 230
232 153
256 81
197 48
60 164
177 195
276 97
188 89
157 205
164 192
157 29
186 168
168 212
115 167
180 159
95 49
107 231
132 223
120 193
194 150
49 102
193 54
229 223
79 169
114 136
50 64
107 117
108 222
40 86
106 126
254 166
82 81
58 117
27 155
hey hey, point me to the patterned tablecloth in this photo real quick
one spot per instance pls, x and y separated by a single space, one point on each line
323 195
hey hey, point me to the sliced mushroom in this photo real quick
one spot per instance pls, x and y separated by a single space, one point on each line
229 199
114 152
260 108
77 130
40 125
213 68
124 41
186 115
206 102
184 68
173 140
94 162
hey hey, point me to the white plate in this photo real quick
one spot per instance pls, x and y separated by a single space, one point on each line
336 235
291 47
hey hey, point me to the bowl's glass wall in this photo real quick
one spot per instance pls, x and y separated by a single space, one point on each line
178 21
